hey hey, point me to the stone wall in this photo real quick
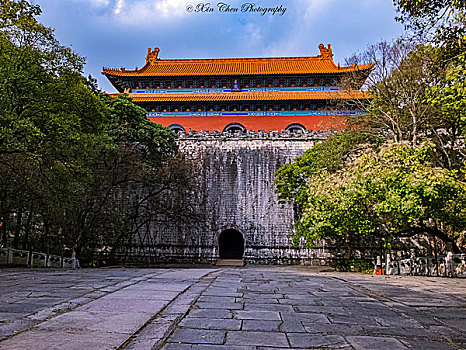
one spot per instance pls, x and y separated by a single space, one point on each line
233 190
236 176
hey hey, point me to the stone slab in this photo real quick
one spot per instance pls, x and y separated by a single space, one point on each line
197 336
58 339
215 305
261 325
211 323
100 321
257 315
210 313
380 343
305 340
256 338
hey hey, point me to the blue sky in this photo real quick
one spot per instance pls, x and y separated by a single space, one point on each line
117 33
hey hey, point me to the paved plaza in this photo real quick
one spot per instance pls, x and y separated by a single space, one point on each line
228 309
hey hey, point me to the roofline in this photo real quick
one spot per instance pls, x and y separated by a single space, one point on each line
152 59
141 72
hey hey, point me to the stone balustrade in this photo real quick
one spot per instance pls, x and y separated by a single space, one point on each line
451 265
17 257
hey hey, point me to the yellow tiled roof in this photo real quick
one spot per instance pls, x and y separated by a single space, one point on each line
249 96
154 66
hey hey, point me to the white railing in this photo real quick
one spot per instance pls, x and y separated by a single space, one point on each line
17 257
451 265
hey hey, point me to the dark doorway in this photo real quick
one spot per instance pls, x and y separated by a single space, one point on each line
231 245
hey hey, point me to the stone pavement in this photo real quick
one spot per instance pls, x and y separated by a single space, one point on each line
246 308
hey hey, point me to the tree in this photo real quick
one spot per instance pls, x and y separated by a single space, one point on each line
291 180
450 102
402 74
76 166
50 123
442 22
394 192
416 96
123 179
408 97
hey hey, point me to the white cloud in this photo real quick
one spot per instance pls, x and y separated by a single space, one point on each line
118 6
254 35
134 11
100 2
94 3
148 11
308 25
313 8
169 7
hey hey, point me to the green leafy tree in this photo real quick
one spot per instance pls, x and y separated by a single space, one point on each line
442 22
123 179
395 192
76 166
50 123
450 102
416 96
291 180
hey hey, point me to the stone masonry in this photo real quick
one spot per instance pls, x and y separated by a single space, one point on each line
236 179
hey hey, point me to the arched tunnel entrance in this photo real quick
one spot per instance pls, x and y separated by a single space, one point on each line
231 244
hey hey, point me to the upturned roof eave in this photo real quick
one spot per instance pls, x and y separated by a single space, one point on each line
254 96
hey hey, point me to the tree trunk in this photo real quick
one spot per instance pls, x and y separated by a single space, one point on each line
27 229
434 232
349 247
442 236
3 231
19 219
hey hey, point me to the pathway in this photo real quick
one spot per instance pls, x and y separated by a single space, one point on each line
250 308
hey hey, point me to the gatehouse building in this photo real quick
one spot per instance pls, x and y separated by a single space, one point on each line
268 111
241 94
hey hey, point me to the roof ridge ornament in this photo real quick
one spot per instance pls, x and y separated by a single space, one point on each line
325 53
152 56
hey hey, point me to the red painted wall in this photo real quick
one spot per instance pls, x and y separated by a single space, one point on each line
254 122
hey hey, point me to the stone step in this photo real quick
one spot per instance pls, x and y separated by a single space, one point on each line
230 262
